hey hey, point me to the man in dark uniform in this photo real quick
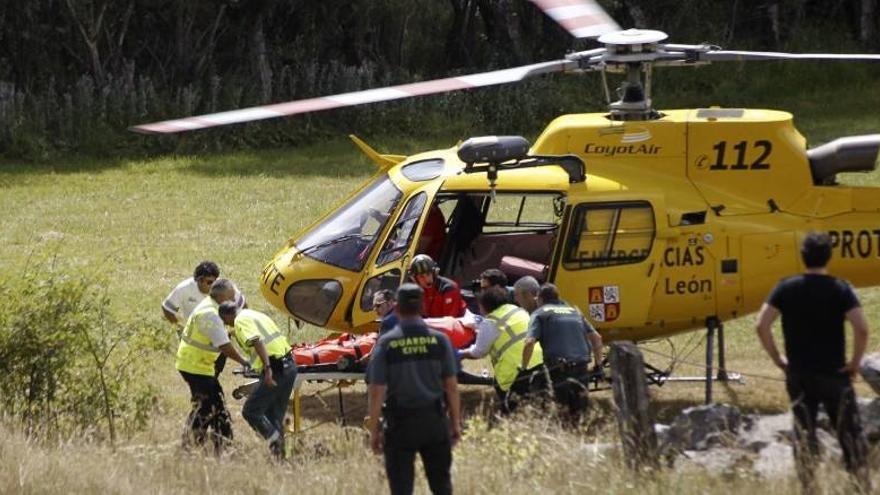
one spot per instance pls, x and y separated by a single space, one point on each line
413 371
567 339
384 305
442 296
814 306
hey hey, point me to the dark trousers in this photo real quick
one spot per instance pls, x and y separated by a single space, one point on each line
527 383
427 434
835 393
265 408
208 412
570 386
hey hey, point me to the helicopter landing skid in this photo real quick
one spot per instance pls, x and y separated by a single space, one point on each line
731 377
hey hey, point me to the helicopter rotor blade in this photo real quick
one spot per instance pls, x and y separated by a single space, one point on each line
356 98
581 18
735 55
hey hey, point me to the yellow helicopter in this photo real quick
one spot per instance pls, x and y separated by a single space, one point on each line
651 221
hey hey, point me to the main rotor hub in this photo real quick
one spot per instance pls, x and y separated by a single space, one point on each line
632 40
633 51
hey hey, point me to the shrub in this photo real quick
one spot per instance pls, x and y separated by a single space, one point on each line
67 365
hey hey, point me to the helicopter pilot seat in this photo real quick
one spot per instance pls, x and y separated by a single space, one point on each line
516 268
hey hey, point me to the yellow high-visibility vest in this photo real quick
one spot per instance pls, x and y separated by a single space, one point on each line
506 352
250 324
195 353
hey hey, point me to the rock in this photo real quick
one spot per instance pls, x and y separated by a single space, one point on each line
828 447
698 428
718 460
774 461
869 411
662 432
870 371
759 432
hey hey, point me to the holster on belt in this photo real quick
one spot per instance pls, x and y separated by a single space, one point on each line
278 364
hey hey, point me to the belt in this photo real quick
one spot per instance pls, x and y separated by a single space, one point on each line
279 363
410 412
563 363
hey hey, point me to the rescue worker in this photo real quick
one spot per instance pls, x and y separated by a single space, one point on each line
384 305
567 339
525 293
814 306
493 277
179 304
442 296
203 339
269 351
501 334
413 370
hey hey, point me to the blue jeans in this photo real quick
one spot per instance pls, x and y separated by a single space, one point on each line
265 408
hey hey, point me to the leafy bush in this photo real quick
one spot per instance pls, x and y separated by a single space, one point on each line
67 365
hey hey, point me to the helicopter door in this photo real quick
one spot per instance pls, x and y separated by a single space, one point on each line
387 268
607 264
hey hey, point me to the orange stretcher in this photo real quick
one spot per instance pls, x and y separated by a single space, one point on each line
346 351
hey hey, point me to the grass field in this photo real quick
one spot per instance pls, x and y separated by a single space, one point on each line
141 226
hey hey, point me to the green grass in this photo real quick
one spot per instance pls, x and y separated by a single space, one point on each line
143 225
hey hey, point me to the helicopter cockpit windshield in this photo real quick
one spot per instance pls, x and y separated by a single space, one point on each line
346 237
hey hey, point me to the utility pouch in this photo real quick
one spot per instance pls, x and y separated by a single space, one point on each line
277 366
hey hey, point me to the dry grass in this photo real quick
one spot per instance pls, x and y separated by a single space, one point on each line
526 455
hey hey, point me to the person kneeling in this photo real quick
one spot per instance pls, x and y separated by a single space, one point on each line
502 335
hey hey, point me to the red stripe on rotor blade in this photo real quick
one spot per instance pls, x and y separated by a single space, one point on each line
304 106
438 86
583 21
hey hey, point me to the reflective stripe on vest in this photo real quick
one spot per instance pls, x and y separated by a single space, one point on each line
501 324
199 345
196 353
506 353
267 337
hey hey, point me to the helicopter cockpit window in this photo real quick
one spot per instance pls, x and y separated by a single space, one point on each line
401 233
423 170
609 234
346 237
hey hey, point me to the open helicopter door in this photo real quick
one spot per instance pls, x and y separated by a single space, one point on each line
607 261
387 266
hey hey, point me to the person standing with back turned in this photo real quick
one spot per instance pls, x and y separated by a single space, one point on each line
413 371
814 306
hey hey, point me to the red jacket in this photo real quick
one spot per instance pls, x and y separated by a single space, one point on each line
443 299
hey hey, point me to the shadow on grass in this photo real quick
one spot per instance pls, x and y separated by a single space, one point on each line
334 158
323 408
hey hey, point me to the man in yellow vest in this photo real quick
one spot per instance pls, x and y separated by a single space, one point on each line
204 338
502 335
269 351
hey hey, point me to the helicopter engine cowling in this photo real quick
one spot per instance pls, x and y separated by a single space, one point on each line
848 154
